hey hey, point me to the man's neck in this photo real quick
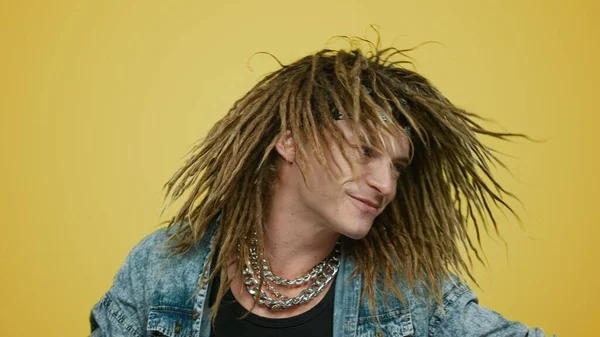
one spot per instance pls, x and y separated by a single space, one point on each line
294 240
294 244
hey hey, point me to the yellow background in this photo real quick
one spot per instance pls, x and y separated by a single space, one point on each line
100 101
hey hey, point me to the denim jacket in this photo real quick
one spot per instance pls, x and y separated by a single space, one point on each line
155 294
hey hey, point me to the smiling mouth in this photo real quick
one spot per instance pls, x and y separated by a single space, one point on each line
366 205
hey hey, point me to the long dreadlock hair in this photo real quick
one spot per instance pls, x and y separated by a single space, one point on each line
419 236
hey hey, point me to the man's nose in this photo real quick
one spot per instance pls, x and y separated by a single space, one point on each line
381 177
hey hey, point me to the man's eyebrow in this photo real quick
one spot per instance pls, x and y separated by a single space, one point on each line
402 160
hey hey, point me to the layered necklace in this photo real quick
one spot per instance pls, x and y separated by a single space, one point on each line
317 279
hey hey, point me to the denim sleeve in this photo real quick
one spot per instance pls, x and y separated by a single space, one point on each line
123 310
465 317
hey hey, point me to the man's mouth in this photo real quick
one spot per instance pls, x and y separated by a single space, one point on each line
366 205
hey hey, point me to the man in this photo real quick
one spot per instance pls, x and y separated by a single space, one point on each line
332 200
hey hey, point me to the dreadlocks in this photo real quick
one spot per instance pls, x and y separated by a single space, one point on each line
419 236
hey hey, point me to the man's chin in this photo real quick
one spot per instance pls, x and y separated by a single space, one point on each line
357 233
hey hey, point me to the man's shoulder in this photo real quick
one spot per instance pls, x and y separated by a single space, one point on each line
158 270
410 314
418 302
153 276
153 246
453 286
158 247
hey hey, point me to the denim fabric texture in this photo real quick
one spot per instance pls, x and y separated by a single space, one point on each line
155 294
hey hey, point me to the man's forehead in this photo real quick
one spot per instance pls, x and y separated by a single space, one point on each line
393 140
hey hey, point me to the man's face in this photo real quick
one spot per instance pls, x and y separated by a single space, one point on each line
347 203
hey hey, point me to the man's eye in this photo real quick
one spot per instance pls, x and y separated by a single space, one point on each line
399 168
366 151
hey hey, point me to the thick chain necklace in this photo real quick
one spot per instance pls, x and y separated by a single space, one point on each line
318 278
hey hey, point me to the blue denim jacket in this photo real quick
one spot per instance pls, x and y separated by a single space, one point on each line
157 295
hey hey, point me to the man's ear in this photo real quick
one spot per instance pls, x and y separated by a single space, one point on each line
286 147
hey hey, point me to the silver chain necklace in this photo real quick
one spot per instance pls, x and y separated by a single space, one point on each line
320 276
